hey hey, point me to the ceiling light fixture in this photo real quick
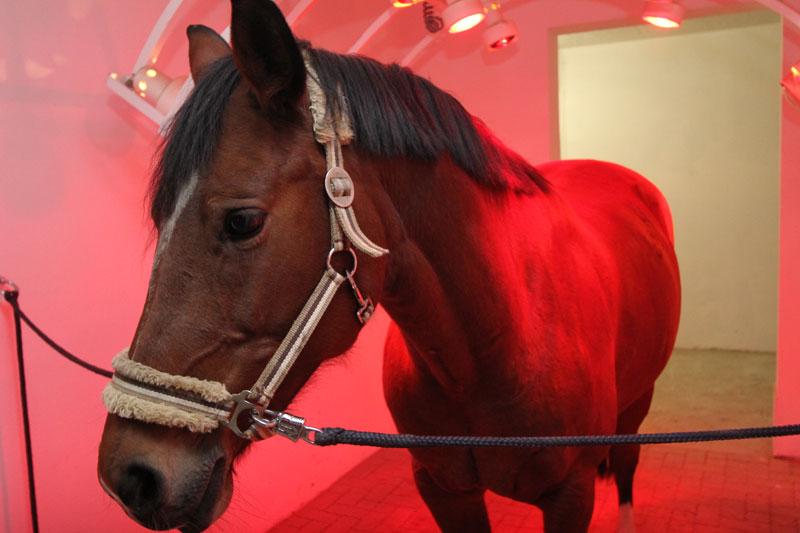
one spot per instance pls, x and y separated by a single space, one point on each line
462 15
157 88
153 93
499 32
791 84
405 3
663 13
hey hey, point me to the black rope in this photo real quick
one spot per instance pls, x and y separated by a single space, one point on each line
333 436
11 297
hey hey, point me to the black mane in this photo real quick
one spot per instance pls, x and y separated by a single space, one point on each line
191 138
394 113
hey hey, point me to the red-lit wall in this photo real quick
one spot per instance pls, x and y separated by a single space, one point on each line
787 393
74 235
76 238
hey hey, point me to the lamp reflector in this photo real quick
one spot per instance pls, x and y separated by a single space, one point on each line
168 95
500 34
150 83
462 15
663 13
791 85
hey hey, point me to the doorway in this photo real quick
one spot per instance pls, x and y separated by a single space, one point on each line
697 111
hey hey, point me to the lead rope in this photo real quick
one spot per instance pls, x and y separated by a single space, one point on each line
333 436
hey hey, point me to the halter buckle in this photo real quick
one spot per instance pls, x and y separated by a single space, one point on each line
339 186
242 403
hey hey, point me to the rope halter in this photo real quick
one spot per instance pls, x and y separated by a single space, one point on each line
143 393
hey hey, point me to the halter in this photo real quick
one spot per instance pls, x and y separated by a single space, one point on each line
140 392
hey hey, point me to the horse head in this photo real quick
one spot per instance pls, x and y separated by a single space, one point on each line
243 236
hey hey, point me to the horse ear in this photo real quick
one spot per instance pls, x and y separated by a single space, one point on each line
266 53
205 47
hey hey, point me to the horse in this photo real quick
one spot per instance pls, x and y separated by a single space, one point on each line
524 300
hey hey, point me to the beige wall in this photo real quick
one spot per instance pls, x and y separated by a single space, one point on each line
698 112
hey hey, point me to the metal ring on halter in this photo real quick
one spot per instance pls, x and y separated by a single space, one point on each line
352 254
9 287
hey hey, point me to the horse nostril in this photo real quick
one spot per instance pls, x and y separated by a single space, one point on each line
141 489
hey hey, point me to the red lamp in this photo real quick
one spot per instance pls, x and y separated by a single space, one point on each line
499 32
791 84
663 13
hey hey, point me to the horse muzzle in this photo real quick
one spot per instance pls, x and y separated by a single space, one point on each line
182 483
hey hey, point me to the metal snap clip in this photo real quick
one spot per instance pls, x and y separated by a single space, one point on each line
290 426
339 186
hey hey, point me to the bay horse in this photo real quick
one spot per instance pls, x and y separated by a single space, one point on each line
525 300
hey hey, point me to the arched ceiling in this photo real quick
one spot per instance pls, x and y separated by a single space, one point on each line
376 29
509 88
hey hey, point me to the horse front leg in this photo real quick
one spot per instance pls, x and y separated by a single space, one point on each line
568 507
454 512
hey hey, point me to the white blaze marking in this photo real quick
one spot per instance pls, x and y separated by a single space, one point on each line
168 227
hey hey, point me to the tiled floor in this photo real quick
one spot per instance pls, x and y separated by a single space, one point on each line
733 486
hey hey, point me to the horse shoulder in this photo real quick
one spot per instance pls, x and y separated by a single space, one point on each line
630 220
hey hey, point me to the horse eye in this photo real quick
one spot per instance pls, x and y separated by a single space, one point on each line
244 223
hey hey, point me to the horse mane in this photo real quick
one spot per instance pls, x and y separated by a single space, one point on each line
191 137
393 112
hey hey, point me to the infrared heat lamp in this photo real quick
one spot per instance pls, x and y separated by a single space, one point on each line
663 13
499 32
151 91
791 84
406 3
462 15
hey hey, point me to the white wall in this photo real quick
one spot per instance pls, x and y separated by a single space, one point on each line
697 111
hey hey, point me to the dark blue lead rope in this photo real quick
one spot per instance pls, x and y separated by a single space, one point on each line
333 436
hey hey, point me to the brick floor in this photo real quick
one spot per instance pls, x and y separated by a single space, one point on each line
678 489
733 486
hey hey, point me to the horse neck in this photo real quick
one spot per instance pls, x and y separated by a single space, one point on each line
451 274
